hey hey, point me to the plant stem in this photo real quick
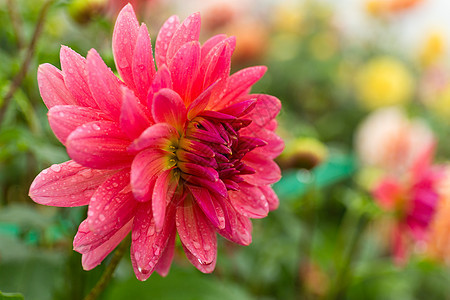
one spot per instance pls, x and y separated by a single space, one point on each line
109 271
27 59
15 22
344 274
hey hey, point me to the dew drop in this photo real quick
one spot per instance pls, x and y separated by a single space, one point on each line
95 127
102 217
137 255
115 184
56 168
196 245
207 247
156 250
151 230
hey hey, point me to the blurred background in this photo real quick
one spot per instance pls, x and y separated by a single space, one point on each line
365 195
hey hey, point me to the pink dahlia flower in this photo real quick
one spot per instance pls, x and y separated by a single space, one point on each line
414 200
182 149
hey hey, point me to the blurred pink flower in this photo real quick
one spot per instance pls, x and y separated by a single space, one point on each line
182 149
391 142
413 199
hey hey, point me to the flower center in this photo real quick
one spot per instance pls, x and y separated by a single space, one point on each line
211 150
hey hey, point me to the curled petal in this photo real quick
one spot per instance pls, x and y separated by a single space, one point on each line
159 136
52 87
237 85
211 43
201 266
123 43
67 184
74 70
210 206
95 247
164 190
267 171
271 197
238 228
266 109
195 231
168 107
145 169
143 63
112 205
188 31
183 67
134 117
104 85
249 201
164 38
148 244
163 265
99 145
64 119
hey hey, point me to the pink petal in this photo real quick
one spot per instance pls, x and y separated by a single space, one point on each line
217 63
200 103
169 108
267 171
64 119
161 80
275 144
271 197
238 228
249 201
145 169
52 87
211 43
112 205
67 184
212 210
148 244
188 31
143 63
134 118
164 263
216 187
74 70
239 109
183 68
238 85
93 256
99 145
160 135
198 170
266 109
201 266
104 85
123 43
163 40
195 231
165 186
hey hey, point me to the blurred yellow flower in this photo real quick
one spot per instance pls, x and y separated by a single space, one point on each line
433 48
288 18
384 81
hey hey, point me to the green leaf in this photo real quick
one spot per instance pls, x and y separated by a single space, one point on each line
294 184
180 284
11 296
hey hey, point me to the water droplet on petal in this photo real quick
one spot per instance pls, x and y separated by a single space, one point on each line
207 247
56 168
102 217
95 127
196 245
